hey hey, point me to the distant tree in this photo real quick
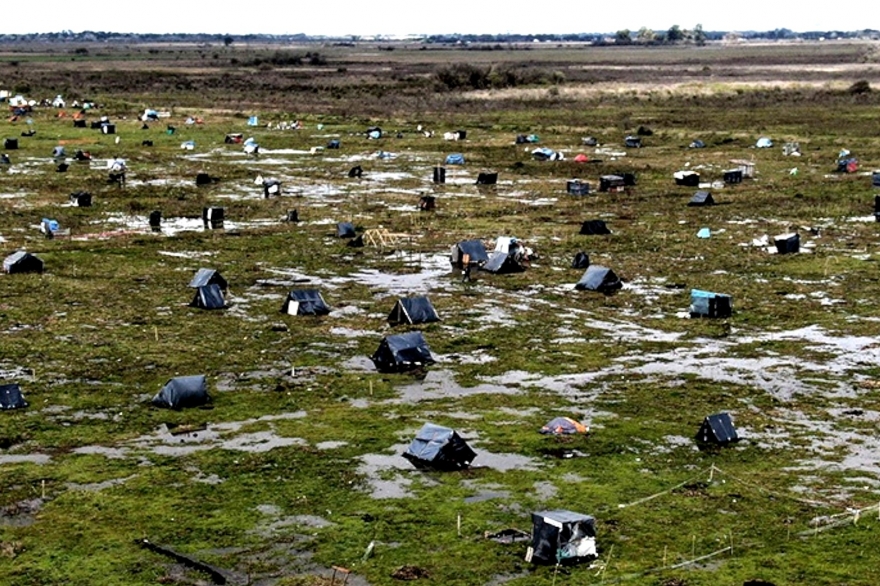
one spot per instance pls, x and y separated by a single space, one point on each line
646 35
674 34
622 37
228 40
699 37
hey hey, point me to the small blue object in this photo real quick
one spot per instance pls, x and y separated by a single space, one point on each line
455 159
704 233
50 225
253 121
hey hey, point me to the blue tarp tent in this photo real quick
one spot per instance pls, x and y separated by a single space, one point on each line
305 302
473 248
717 429
208 277
455 159
11 397
413 310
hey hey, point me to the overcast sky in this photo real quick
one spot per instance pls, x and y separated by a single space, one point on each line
402 17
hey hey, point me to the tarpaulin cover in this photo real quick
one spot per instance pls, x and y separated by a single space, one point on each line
708 304
209 297
455 159
413 310
305 302
183 391
208 277
22 262
717 429
11 397
473 248
599 278
562 536
440 448
402 352
563 426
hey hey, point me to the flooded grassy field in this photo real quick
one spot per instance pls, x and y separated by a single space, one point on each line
295 465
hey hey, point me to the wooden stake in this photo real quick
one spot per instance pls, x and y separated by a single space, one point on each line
665 547
371 394
693 546
156 332
43 482
458 524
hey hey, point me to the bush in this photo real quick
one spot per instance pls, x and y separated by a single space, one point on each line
860 87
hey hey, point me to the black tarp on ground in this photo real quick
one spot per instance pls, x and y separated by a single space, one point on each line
788 243
413 310
502 263
708 304
22 262
213 217
563 537
183 391
599 278
875 178
594 227
581 261
209 297
271 187
208 277
402 352
487 178
632 142
717 429
345 230
305 302
473 248
439 448
702 198
82 199
11 397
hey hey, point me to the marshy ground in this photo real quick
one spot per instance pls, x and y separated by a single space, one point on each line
296 465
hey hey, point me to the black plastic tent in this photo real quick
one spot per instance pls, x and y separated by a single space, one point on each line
563 537
702 198
717 429
439 448
581 261
413 310
577 187
708 304
594 227
487 178
501 263
183 391
22 262
345 230
305 302
788 243
402 352
208 277
209 297
611 183
599 278
473 248
11 397
686 178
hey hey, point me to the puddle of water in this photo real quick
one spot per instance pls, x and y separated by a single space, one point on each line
111 453
545 490
433 269
440 384
20 514
330 445
99 486
24 458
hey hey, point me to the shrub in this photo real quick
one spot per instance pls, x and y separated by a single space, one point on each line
860 87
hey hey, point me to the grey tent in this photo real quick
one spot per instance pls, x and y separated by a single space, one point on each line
708 304
345 230
473 248
402 352
581 261
183 391
788 243
22 262
413 310
209 297
208 277
632 142
439 448
702 198
305 302
501 263
717 429
11 397
594 227
563 537
599 278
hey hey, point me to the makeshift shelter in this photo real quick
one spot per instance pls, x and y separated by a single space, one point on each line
708 304
632 142
577 187
687 178
733 176
764 143
847 165
581 158
208 297
82 199
589 141
563 426
292 216
697 144
599 278
594 227
427 203
717 429
62 167
474 250
702 198
11 397
487 178
10 144
155 220
402 352
5 160
22 262
345 230
439 175
501 263
356 172
788 243
439 448
183 391
271 187
108 128
213 217
455 159
374 132
875 178
305 302
208 277
562 537
413 310
581 261
334 144
611 183
236 138
57 152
